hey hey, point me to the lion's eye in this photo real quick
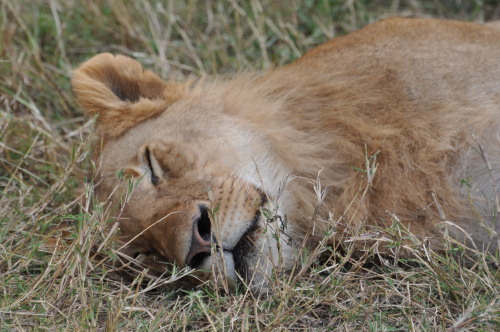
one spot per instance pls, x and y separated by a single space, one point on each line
153 165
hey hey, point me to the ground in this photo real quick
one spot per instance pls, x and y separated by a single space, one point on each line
46 175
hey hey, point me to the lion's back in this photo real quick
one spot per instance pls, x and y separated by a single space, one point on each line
418 94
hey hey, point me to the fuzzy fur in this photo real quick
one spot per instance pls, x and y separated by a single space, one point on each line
398 121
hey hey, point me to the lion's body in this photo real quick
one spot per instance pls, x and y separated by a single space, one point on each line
391 120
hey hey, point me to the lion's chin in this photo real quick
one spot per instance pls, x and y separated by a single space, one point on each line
252 271
221 269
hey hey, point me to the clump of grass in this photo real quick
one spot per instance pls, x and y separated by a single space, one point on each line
46 179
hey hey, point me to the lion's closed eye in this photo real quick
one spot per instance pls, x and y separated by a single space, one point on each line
155 170
160 160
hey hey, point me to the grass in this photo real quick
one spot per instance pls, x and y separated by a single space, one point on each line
46 177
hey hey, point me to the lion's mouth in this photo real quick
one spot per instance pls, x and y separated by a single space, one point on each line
245 248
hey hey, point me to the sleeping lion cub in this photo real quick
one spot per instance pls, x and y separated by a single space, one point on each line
395 125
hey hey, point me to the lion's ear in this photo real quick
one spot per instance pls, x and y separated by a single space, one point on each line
121 92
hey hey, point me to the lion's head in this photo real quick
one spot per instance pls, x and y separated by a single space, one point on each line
181 174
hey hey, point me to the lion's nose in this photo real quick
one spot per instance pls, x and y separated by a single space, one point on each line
200 240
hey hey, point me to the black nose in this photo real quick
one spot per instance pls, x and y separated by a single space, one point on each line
200 240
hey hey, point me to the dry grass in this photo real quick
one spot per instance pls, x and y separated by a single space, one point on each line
45 176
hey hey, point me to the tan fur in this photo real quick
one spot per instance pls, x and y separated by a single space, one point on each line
411 100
